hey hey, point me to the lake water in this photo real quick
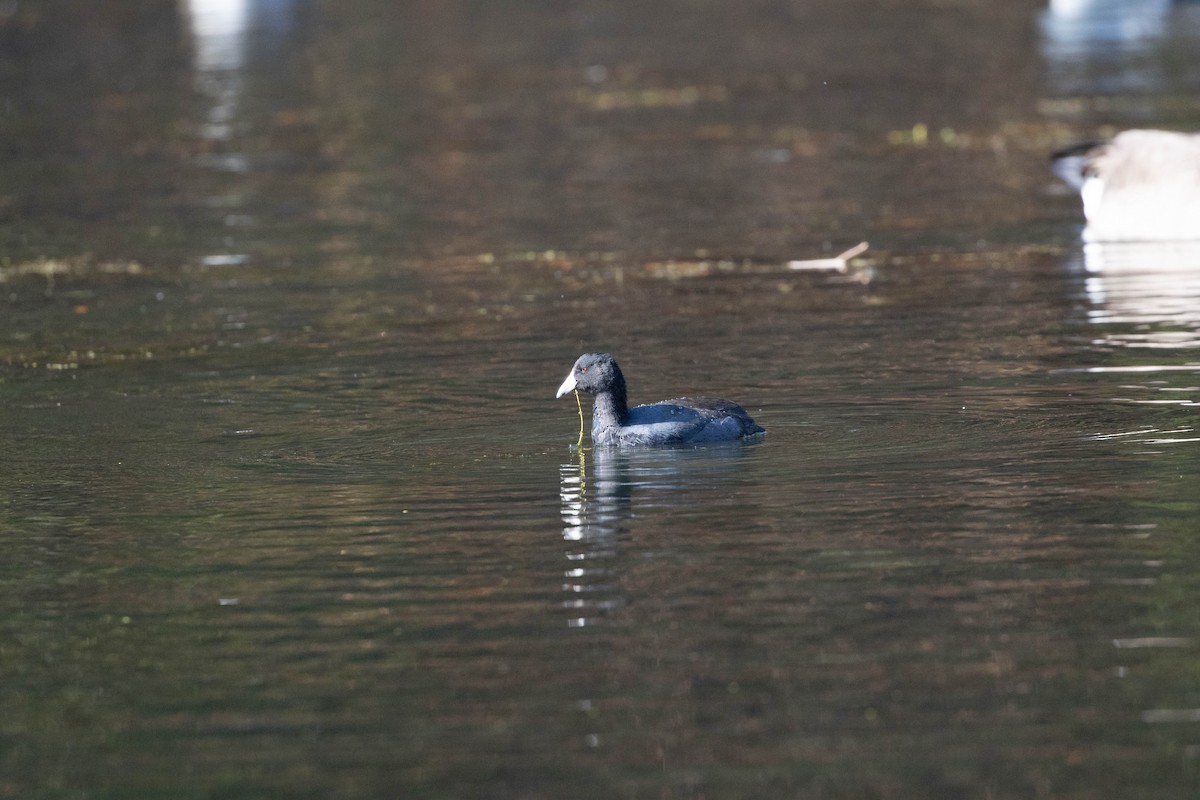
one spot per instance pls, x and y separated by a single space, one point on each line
289 510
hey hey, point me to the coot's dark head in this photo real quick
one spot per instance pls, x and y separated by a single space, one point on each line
594 373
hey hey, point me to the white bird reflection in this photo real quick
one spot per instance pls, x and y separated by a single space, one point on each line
220 30
219 46
231 39
1146 297
1084 21
1146 294
1101 45
224 34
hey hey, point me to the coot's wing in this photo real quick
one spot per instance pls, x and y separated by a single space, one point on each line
661 423
687 419
715 409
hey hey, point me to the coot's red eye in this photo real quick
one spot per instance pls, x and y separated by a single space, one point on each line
582 370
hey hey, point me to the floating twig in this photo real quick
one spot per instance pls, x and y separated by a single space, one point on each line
838 262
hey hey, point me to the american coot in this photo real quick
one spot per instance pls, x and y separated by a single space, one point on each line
1142 186
678 421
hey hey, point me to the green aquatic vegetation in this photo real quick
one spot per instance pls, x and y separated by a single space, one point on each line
579 405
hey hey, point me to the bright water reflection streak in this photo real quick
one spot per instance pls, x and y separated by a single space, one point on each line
591 523
1104 45
219 32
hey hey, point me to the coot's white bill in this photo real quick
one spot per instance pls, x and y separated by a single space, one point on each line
568 385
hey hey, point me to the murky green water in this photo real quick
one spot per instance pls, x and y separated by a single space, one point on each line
288 509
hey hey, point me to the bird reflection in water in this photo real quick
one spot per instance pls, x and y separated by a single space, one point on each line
1144 299
592 511
1145 295
600 493
230 37
219 35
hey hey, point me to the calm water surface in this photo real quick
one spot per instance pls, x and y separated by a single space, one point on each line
288 507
